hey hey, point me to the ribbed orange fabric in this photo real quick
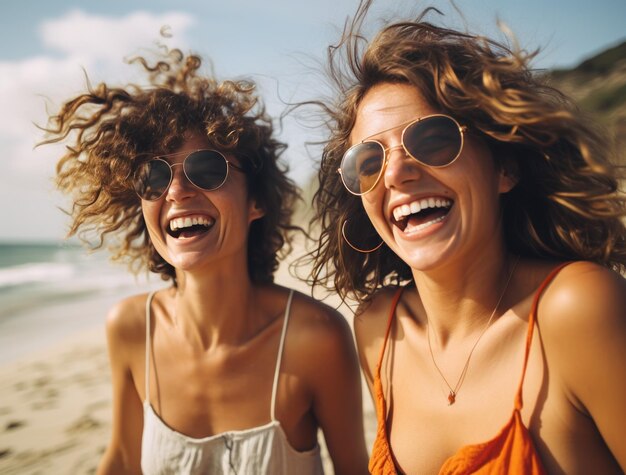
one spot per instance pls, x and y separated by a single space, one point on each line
510 451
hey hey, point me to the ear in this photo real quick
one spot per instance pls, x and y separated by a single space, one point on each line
509 176
254 210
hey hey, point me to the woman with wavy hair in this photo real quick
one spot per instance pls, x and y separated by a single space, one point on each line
475 215
223 371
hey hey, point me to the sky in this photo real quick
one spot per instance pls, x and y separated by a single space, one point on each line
47 46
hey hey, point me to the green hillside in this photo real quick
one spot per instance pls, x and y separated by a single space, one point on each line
598 84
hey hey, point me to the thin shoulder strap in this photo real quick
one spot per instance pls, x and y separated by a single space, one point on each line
392 312
532 318
148 345
280 355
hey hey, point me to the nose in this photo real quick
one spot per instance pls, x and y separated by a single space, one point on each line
180 188
400 168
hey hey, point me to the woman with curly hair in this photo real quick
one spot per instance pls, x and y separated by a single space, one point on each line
224 371
476 217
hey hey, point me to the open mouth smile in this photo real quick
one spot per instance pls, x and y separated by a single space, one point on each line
187 227
420 214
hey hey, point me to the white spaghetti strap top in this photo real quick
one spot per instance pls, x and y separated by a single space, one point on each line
258 450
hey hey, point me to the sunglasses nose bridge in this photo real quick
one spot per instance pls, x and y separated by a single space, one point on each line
389 151
180 185
395 147
397 171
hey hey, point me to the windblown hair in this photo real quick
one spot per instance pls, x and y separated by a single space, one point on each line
567 204
108 128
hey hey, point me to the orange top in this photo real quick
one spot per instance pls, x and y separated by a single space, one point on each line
510 451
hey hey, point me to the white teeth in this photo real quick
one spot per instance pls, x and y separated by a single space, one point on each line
410 229
416 206
187 222
176 224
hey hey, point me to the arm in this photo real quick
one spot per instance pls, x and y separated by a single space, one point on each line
123 454
337 397
585 337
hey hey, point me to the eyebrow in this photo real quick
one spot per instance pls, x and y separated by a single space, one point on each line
391 128
173 154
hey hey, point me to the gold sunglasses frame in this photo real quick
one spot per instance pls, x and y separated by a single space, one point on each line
406 125
172 165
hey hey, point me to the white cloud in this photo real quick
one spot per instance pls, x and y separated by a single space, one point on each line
78 34
28 86
23 86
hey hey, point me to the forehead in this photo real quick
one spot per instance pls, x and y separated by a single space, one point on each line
190 143
386 106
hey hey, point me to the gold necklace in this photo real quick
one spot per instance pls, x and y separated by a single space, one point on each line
454 391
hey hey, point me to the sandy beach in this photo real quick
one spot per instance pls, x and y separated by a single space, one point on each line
55 396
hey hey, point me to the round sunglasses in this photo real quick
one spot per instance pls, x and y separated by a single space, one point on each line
434 140
205 169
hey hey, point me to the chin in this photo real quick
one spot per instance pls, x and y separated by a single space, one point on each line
425 258
185 262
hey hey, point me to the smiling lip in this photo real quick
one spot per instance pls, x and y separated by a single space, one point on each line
189 221
189 225
413 207
420 213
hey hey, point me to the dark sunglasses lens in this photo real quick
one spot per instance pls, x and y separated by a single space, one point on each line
361 166
207 169
152 179
435 141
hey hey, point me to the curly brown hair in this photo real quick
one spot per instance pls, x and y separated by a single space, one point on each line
567 204
109 128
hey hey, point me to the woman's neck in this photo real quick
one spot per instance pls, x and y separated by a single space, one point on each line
459 300
216 308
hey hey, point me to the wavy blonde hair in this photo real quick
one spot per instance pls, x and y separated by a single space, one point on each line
108 128
567 204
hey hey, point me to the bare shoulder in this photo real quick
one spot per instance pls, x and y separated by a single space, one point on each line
582 322
126 320
583 296
315 323
370 324
319 346
372 315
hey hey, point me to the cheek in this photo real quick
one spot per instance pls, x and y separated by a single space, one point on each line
151 213
373 205
474 171
371 212
477 194
373 201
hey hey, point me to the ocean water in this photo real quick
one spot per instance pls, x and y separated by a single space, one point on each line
49 291
34 275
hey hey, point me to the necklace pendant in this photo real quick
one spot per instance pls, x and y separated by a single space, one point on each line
451 398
